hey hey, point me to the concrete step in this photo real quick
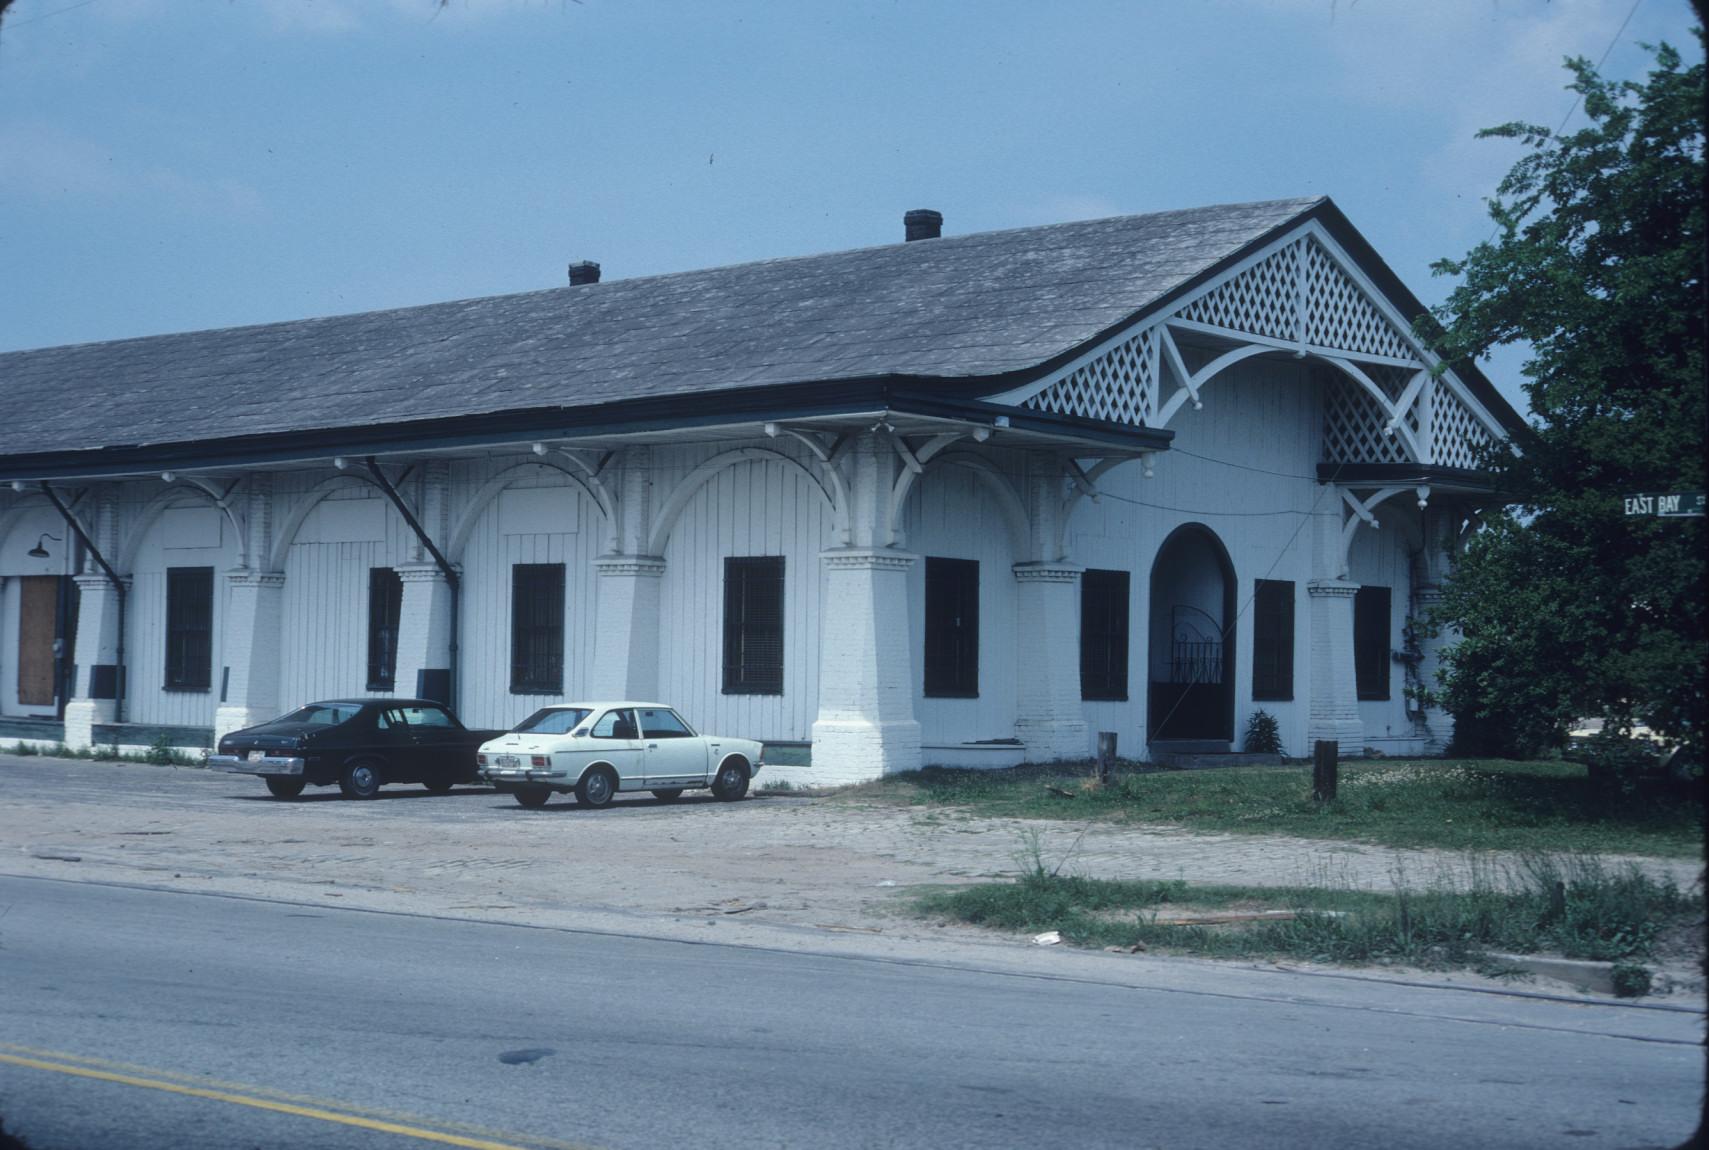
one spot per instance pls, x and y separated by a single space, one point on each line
1192 746
1189 761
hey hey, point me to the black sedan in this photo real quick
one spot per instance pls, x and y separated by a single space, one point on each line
360 744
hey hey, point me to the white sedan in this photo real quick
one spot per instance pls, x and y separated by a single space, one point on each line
598 749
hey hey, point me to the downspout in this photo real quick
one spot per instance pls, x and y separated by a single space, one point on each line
445 568
119 685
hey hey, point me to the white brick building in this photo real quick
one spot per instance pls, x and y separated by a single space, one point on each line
963 500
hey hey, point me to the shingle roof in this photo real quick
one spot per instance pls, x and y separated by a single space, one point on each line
956 308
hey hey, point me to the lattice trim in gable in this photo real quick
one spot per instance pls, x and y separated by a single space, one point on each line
1262 300
1353 423
1458 438
1340 316
1118 386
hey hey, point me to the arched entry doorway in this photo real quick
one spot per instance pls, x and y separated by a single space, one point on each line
1191 695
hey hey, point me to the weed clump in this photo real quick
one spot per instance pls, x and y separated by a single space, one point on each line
1263 734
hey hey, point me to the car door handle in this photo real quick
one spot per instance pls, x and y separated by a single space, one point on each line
652 746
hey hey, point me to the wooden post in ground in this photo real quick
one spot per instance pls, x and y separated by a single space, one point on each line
1106 754
1325 763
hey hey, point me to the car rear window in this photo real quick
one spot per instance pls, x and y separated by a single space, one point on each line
554 720
323 714
664 725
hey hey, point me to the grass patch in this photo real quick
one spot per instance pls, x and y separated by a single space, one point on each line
160 754
1454 805
1573 906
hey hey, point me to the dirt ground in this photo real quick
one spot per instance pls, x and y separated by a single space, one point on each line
781 870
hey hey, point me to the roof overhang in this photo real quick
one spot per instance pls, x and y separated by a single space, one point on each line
906 404
1443 480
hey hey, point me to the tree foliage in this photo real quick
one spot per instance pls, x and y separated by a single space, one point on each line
1567 607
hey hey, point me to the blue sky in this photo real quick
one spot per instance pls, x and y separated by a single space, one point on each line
167 165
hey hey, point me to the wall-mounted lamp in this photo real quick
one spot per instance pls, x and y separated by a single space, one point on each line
40 552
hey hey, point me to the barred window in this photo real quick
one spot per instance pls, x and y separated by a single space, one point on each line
1273 640
1371 635
385 605
537 628
189 628
1103 634
952 628
753 625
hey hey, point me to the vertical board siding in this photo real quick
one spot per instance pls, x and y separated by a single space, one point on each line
1252 449
1382 558
485 696
324 629
951 515
147 700
753 508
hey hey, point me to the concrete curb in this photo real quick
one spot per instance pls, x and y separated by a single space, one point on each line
1593 977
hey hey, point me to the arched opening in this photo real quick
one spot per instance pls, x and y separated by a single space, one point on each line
1191 695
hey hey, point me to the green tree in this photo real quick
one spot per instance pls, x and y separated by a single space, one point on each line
1566 606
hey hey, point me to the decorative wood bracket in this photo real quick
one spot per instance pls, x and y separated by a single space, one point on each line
827 450
1357 511
223 501
914 460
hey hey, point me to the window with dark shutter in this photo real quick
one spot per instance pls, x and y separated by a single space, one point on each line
537 629
1273 640
952 628
1371 607
1103 634
385 605
753 625
189 628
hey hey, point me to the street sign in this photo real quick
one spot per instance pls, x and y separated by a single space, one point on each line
1666 505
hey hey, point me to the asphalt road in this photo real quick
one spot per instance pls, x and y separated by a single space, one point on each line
143 1018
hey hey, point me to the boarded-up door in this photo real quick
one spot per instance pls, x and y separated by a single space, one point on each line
38 608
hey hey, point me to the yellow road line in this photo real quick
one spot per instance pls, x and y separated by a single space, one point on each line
537 1142
259 1103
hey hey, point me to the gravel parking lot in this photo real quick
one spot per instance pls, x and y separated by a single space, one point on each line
761 870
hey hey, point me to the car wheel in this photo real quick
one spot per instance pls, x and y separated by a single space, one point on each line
439 786
360 780
532 796
596 787
731 782
668 794
285 788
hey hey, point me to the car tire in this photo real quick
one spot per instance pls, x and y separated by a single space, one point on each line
532 796
668 794
284 788
439 786
360 780
596 787
731 781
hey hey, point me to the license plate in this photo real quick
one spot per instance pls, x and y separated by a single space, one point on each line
257 756
507 760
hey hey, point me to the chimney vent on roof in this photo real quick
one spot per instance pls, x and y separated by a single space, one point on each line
923 224
585 272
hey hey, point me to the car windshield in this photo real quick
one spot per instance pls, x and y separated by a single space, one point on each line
554 720
322 714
